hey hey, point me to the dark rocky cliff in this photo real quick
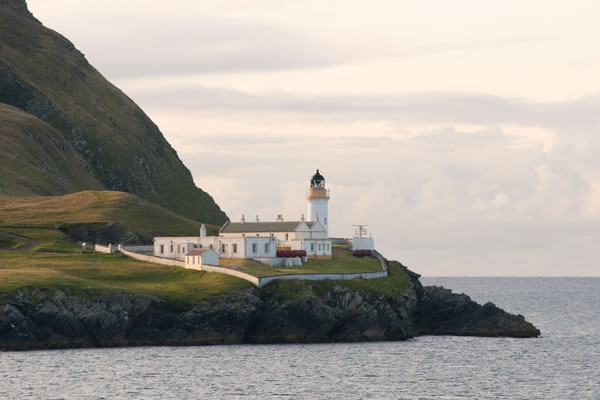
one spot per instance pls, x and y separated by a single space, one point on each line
34 318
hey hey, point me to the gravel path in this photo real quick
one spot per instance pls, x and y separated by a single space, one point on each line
30 242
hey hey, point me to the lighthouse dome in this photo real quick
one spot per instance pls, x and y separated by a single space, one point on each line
317 180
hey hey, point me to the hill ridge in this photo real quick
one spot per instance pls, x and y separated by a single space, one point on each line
43 74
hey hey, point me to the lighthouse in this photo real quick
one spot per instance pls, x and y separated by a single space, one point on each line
318 199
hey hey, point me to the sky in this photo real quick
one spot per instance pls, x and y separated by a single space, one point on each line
465 134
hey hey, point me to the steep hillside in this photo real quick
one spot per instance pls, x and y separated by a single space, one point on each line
103 132
36 159
95 209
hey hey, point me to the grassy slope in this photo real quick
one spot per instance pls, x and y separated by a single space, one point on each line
138 214
112 273
36 159
58 264
396 282
43 74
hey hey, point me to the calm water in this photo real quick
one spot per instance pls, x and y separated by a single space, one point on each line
563 364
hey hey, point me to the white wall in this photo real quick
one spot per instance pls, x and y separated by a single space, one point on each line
320 277
104 249
151 259
284 262
321 247
260 247
232 272
359 243
319 207
196 262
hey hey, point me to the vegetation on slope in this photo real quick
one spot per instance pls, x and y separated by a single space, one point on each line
112 273
116 144
58 264
395 283
92 207
36 159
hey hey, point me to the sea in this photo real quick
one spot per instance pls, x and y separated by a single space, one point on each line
564 363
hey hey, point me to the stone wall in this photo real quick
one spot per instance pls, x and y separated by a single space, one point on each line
260 282
104 249
320 277
151 259
139 249
280 262
232 272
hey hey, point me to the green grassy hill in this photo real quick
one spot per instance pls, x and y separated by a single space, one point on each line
88 134
93 207
36 159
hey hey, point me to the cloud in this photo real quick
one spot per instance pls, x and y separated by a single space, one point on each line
426 107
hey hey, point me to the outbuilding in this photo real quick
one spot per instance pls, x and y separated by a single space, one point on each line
196 258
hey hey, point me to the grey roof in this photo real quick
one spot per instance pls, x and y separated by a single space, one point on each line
250 227
197 252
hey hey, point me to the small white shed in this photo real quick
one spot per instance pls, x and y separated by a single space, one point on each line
196 258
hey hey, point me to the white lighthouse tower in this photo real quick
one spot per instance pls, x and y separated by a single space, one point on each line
318 198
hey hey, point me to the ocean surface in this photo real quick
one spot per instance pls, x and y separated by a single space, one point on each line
563 364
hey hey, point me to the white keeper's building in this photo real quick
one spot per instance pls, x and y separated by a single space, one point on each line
262 239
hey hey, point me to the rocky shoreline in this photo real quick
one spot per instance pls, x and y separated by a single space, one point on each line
71 318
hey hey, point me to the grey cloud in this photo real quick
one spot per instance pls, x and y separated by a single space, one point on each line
192 45
427 107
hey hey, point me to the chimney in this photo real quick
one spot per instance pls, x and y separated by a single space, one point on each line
243 221
203 230
302 218
257 220
279 217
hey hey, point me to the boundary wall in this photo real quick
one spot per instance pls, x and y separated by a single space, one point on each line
228 271
151 259
280 262
262 281
139 249
104 249
322 277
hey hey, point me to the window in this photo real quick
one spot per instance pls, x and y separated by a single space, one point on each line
210 246
254 248
162 249
287 236
235 248
223 248
200 246
320 246
266 247
312 247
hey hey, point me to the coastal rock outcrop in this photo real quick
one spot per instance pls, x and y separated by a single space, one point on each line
42 318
